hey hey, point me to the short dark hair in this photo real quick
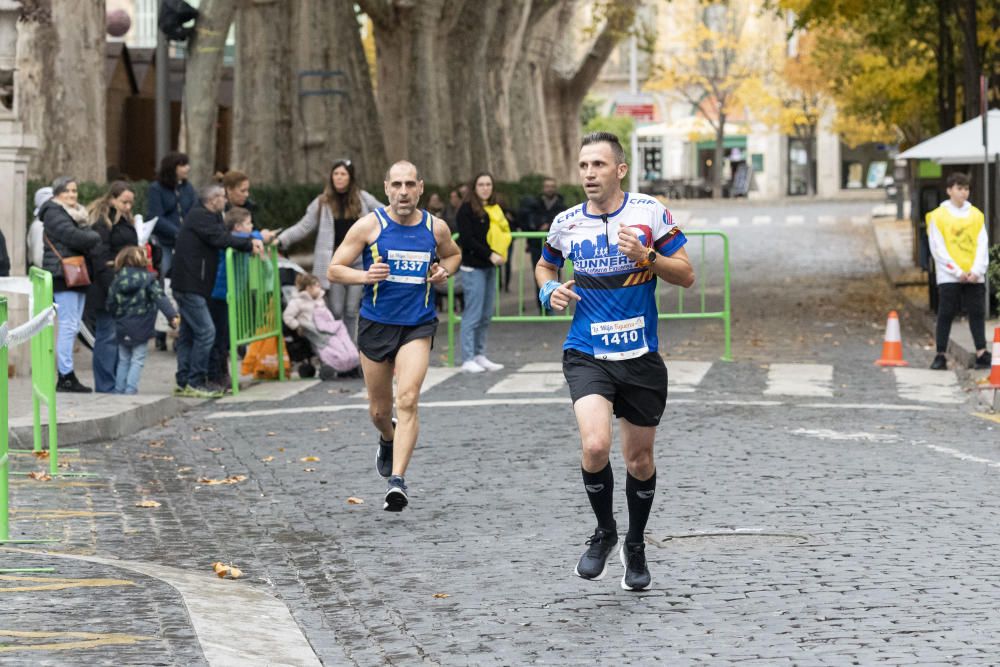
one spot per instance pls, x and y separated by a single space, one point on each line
235 216
958 178
167 175
608 138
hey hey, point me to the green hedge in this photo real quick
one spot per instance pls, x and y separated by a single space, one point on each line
280 206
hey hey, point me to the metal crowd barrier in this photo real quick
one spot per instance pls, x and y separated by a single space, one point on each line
253 298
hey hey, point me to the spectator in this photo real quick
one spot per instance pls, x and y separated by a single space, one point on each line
4 257
477 217
435 205
537 214
133 298
169 199
956 231
307 314
341 205
36 244
67 233
202 236
111 217
237 185
451 210
239 223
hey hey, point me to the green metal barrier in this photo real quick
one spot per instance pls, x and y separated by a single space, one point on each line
525 285
5 442
43 369
253 297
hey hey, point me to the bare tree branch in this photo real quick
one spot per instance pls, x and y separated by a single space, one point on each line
619 20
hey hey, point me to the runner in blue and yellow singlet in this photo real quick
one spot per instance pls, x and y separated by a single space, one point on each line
619 243
405 250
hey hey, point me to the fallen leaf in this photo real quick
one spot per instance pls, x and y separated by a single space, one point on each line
44 454
235 572
224 570
281 449
184 469
40 476
232 479
267 459
309 459
215 449
147 503
309 469
441 595
204 428
195 437
156 443
322 429
271 433
355 501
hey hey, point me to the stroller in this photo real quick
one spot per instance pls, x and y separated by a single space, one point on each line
298 347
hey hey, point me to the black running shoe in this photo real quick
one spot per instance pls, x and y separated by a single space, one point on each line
985 360
636 577
383 457
940 363
594 561
395 495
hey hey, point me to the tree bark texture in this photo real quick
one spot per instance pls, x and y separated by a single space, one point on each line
478 86
303 94
965 10
61 88
203 74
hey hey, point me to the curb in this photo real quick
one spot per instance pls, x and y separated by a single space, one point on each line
111 427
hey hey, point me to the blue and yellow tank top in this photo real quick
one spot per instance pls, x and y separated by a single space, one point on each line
405 296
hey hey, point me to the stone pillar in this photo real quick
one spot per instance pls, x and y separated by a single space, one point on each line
16 148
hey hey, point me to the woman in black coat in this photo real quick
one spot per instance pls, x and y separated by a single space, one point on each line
111 217
67 234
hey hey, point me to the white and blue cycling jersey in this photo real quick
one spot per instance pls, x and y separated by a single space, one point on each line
616 315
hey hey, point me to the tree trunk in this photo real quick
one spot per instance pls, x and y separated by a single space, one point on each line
720 141
966 12
202 76
61 88
303 93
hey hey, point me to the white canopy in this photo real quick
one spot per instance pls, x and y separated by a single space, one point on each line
962 144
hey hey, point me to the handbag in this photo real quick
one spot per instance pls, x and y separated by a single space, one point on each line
74 268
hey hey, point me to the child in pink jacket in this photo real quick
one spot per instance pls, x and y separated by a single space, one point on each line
307 313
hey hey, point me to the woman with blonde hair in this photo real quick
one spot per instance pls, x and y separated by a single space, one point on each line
341 204
111 217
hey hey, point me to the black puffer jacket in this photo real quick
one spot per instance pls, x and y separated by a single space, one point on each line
70 239
196 256
113 240
133 299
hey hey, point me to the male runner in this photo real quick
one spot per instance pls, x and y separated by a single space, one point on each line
405 250
619 243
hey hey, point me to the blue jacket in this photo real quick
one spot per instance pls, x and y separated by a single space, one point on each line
171 207
133 299
219 291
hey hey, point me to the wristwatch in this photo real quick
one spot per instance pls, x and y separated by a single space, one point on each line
649 261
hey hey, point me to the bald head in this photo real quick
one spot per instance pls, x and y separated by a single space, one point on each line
402 169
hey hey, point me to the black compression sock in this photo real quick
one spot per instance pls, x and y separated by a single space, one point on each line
639 495
600 489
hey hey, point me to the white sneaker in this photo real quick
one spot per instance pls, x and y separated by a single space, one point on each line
472 367
486 363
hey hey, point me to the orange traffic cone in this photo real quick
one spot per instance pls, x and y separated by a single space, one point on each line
994 379
892 348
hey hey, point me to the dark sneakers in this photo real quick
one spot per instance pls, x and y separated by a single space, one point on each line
395 495
940 363
636 576
985 360
383 457
69 383
594 561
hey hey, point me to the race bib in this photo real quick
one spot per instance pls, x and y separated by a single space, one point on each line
408 266
623 339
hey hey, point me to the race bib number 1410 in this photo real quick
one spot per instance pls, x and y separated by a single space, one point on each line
622 339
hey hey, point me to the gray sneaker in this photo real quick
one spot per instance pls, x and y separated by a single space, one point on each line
201 392
395 495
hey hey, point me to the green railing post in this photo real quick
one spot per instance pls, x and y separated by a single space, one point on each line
253 302
43 369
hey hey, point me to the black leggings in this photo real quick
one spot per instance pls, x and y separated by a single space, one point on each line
972 297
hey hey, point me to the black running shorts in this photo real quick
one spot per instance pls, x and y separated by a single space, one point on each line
380 342
637 388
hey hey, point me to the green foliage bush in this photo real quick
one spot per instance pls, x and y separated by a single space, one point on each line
993 271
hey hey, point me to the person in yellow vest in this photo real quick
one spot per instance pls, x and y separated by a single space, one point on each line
956 231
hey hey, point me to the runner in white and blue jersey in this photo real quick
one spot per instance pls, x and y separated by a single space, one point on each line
405 250
619 243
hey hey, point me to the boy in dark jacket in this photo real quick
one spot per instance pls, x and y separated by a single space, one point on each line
132 300
196 260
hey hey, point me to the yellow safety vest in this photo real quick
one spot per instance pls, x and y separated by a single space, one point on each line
961 235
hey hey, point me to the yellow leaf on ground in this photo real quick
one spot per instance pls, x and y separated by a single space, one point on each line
224 570
232 479
267 459
44 454
355 501
147 503
309 469
156 443
40 476
235 572
309 459
441 595
323 429
215 449
271 434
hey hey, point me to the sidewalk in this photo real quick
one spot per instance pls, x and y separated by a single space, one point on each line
895 242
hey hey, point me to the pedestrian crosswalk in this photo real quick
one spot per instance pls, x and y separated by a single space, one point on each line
775 381
687 219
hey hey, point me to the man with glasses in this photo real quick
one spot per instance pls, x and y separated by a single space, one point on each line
619 243
404 251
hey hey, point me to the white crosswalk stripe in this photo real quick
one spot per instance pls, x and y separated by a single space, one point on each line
685 376
761 220
794 220
827 219
800 380
925 385
529 383
729 221
435 376
697 222
859 220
